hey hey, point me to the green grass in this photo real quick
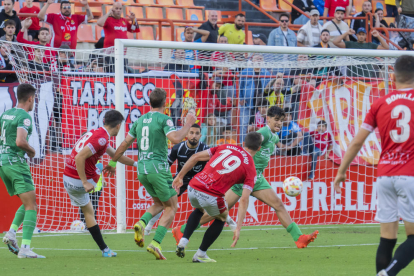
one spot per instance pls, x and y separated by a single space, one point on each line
339 250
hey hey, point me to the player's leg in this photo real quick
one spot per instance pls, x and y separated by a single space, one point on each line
404 253
264 192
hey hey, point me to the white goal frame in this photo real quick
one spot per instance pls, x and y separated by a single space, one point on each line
120 44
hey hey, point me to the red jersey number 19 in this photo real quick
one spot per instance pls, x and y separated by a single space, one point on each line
402 123
227 163
81 143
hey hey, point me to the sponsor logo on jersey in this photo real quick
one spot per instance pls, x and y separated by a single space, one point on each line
67 37
170 123
102 141
26 122
120 28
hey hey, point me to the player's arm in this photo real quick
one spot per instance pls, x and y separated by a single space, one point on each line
198 157
178 135
80 160
123 159
352 151
110 168
243 204
42 12
21 142
173 155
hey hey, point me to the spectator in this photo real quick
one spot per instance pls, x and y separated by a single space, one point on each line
337 26
234 32
405 8
227 79
209 131
324 38
5 64
115 26
392 10
309 33
361 43
283 36
96 66
290 136
62 64
260 116
37 63
35 27
65 25
251 88
259 39
223 56
189 37
9 30
226 133
43 40
273 92
317 143
379 22
221 102
8 13
303 5
356 24
331 5
211 26
323 71
178 55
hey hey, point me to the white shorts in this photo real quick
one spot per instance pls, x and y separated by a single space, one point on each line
395 198
213 205
76 191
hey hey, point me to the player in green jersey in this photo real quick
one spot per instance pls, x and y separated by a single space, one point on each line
16 127
151 132
262 190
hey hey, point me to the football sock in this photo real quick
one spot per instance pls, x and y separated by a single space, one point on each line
294 231
18 219
402 257
154 219
384 253
211 234
192 223
97 236
29 224
146 217
160 234
182 229
201 253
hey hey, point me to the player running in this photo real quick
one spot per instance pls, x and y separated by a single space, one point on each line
262 190
182 152
15 128
392 115
151 131
228 166
80 175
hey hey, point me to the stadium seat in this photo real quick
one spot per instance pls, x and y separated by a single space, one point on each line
358 5
77 10
146 33
268 5
194 14
96 11
166 34
207 12
98 31
389 20
146 2
16 6
188 4
36 4
127 2
139 11
54 8
165 2
154 13
285 7
174 13
179 34
249 38
130 35
85 33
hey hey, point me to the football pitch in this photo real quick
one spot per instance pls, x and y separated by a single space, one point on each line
261 250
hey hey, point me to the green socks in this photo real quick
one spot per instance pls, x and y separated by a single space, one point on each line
183 227
146 218
160 234
294 231
29 225
18 219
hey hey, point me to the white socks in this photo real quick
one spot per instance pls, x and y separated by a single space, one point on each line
201 253
153 220
183 242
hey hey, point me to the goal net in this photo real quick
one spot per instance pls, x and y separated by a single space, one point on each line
325 93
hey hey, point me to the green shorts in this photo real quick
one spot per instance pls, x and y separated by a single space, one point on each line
261 184
158 185
17 178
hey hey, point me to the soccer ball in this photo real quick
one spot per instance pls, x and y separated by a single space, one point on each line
77 226
292 186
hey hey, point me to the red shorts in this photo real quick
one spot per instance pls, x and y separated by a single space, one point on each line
213 205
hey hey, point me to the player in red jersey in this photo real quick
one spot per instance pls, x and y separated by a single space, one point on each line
228 165
392 115
80 176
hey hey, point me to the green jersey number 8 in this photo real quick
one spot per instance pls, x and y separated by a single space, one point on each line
144 138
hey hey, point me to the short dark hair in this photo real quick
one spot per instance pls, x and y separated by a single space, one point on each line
158 97
113 118
322 122
284 14
253 141
325 31
240 15
24 92
13 3
63 3
196 126
262 102
44 29
287 110
10 22
404 68
226 128
274 111
379 9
